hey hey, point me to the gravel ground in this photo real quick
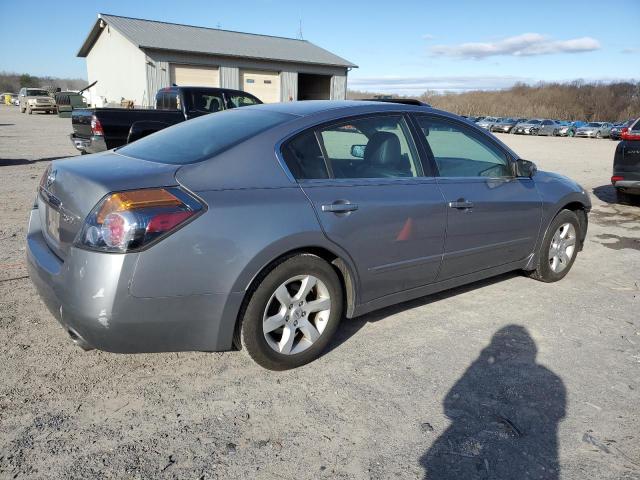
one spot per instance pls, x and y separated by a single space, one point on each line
507 378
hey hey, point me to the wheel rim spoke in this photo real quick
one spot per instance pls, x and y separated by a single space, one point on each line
306 286
274 322
286 342
310 331
318 305
282 295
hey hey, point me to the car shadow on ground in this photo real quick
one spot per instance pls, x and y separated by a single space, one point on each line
504 413
607 193
11 162
350 326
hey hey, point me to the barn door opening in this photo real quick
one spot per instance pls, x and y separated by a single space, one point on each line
314 87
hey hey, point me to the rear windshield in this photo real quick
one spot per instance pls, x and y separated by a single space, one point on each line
201 138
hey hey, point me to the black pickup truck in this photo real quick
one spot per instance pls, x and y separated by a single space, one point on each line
99 129
626 163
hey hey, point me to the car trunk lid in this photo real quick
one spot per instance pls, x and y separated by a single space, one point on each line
74 186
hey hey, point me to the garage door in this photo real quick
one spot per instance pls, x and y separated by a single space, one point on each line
193 75
264 85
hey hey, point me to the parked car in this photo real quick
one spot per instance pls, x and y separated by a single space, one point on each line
626 163
524 128
594 130
99 129
36 100
261 227
568 129
504 125
15 101
546 127
616 130
487 122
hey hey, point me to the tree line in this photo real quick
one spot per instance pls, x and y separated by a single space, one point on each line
577 100
13 82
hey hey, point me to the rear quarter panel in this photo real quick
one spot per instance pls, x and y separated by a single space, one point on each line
225 248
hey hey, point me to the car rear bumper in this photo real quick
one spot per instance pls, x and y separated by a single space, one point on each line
631 186
93 144
88 293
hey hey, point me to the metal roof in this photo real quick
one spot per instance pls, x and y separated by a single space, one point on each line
186 38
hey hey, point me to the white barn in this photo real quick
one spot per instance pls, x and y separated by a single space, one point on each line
132 58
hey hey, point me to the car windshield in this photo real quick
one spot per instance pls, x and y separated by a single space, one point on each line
534 122
593 124
203 137
32 92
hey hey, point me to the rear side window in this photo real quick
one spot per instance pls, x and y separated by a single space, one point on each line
304 158
235 101
202 138
374 147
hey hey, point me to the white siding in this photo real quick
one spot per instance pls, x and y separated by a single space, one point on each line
288 86
119 68
230 77
339 87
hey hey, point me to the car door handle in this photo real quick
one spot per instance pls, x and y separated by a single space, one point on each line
340 207
461 204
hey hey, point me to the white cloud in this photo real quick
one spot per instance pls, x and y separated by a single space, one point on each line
527 44
428 36
630 51
418 85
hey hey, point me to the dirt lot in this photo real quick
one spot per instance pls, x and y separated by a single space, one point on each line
510 378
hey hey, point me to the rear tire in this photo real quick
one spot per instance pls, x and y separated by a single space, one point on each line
559 248
278 336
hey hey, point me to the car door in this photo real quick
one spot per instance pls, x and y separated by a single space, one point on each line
372 197
493 216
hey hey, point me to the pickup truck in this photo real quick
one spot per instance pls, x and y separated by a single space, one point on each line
626 163
99 129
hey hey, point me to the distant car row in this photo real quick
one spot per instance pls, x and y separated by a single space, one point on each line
549 127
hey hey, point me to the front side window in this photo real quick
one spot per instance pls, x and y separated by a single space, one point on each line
374 147
460 152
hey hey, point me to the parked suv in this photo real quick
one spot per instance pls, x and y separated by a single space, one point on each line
36 100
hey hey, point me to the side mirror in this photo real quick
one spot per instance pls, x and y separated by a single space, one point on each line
526 168
357 151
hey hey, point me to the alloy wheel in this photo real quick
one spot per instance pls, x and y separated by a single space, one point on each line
562 248
296 314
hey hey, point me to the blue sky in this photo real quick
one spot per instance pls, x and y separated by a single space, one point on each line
400 47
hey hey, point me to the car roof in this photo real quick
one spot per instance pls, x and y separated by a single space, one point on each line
305 108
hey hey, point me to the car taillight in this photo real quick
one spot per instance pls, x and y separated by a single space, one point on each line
96 126
131 220
626 135
616 178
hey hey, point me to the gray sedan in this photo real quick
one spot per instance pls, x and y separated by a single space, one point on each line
594 130
261 228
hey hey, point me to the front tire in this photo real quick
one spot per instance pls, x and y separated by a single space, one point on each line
292 313
559 248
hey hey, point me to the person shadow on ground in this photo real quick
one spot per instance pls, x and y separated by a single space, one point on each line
504 414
